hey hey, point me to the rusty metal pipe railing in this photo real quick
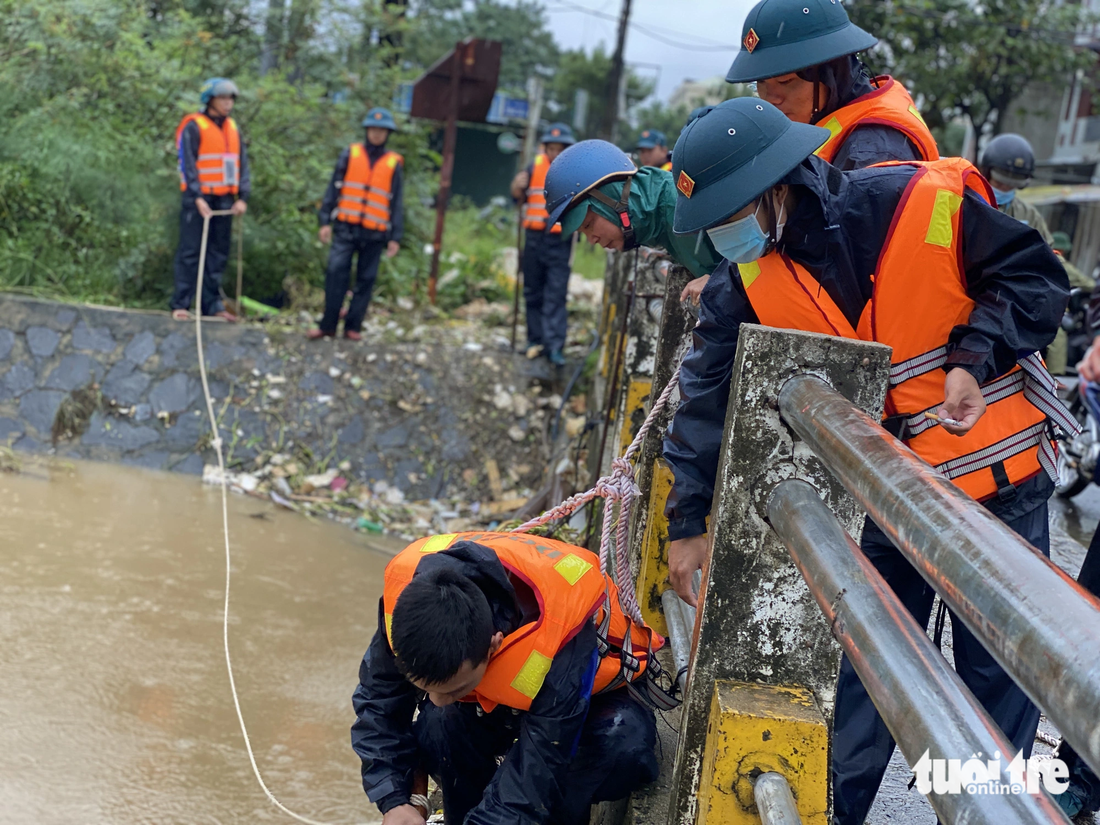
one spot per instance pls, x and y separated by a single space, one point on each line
1041 627
920 698
774 800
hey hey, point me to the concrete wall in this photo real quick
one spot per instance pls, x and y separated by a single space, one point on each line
121 385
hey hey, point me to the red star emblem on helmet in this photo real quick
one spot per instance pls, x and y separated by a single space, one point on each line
685 184
555 132
377 115
752 40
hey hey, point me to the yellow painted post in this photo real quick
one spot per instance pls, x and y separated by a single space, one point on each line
756 728
653 561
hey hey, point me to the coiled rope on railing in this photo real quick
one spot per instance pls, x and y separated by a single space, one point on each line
618 487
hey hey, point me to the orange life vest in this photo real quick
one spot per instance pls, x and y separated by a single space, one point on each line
667 165
887 105
570 590
535 215
366 191
219 161
919 296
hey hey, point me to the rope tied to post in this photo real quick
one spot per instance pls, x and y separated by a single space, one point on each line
618 488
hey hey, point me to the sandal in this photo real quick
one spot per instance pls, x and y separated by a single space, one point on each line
181 315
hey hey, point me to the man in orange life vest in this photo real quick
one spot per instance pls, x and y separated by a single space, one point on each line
546 252
511 646
364 203
214 176
911 255
652 148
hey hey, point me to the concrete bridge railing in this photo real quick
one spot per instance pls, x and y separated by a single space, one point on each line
804 461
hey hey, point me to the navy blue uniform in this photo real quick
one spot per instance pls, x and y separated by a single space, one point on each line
569 750
837 231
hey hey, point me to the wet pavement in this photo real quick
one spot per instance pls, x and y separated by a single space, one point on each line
116 706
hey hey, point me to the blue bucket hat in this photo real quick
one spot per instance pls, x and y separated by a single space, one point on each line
784 36
381 118
731 154
558 133
651 139
217 87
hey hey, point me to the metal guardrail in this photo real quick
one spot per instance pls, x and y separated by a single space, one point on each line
1039 625
922 700
680 618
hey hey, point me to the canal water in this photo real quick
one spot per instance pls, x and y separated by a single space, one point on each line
114 700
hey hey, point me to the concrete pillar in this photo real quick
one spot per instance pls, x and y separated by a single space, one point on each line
649 532
757 622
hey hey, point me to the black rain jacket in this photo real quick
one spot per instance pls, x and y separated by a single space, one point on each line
526 787
837 231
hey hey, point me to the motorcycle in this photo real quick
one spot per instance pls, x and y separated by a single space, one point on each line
1078 456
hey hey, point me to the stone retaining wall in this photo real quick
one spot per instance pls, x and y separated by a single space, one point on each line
123 385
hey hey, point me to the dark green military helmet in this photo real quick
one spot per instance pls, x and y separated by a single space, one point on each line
730 155
784 36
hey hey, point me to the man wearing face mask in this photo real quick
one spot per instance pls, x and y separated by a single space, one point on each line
593 187
802 56
908 255
1008 163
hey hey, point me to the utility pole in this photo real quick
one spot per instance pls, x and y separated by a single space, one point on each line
615 78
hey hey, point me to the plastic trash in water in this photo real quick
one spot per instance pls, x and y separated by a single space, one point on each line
363 523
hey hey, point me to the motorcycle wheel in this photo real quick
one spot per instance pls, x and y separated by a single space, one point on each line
1070 482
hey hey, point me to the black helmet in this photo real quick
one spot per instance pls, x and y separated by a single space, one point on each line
1011 157
784 36
730 155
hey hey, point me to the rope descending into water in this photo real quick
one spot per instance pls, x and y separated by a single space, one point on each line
617 487
217 444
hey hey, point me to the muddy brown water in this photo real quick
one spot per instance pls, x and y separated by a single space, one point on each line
114 700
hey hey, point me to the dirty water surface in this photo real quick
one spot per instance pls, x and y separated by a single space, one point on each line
115 704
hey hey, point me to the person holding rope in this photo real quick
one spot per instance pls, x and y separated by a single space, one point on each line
912 255
509 645
214 177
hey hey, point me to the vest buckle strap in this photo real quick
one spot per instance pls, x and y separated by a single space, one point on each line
1048 458
1042 391
918 365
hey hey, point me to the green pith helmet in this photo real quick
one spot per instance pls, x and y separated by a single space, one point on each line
784 36
651 139
380 118
558 133
1061 242
730 155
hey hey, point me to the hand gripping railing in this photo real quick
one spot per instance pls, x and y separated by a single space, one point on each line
920 698
1041 627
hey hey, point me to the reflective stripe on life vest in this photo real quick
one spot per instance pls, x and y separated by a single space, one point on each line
219 159
887 105
919 296
366 191
570 590
535 215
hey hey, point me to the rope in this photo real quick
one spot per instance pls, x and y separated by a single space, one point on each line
217 444
618 487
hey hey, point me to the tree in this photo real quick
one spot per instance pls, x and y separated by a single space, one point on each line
974 59
578 70
436 25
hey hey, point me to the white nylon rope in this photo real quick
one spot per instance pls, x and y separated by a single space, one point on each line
217 444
